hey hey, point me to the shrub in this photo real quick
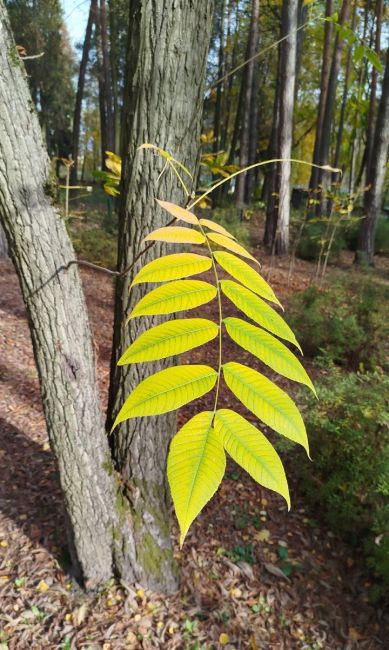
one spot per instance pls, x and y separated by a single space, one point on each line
310 242
95 245
346 321
348 481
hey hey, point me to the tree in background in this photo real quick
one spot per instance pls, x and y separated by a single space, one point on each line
375 176
39 27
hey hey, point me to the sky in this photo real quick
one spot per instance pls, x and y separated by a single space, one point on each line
76 16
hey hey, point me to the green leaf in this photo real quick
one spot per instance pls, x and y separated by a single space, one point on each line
268 349
167 390
173 267
258 310
174 296
216 227
178 212
242 272
268 402
167 339
252 451
176 235
195 468
230 244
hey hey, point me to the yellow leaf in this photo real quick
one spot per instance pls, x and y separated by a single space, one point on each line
4 543
173 267
268 402
174 296
43 586
258 310
167 339
195 468
252 451
178 212
226 242
176 235
216 227
224 638
167 390
263 535
242 272
268 349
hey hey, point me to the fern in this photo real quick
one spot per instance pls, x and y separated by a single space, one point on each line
197 456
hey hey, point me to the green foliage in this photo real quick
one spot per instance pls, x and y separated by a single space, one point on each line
345 321
95 245
348 482
197 456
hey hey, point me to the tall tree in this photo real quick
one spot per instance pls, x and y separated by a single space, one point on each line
80 88
376 176
41 251
379 10
163 105
249 91
278 218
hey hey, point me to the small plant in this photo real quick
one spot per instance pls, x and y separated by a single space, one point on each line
349 480
197 461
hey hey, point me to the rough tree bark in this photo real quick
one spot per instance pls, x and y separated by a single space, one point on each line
80 90
373 88
246 115
219 88
163 105
376 176
41 250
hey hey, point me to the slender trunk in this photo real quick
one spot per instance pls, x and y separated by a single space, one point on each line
287 94
163 104
376 176
80 90
270 182
41 251
102 93
246 112
339 135
324 78
355 134
219 88
107 77
113 50
373 87
325 140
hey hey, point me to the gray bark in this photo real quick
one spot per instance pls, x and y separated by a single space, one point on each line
167 54
3 244
287 95
41 250
246 108
376 176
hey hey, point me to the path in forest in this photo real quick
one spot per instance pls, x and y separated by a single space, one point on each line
232 581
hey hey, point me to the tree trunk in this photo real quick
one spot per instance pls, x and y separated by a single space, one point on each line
325 73
107 77
41 251
244 149
278 213
163 104
373 88
325 140
3 244
376 177
80 90
219 88
270 182
287 94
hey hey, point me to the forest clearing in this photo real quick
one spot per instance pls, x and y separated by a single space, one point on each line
194 324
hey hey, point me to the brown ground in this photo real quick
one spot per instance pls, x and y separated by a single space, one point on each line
232 583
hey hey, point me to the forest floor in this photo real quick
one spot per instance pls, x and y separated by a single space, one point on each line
253 575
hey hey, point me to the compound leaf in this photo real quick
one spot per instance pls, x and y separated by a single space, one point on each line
268 349
216 227
167 390
252 451
174 296
268 402
167 339
242 272
258 310
178 212
173 267
230 244
176 235
195 468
